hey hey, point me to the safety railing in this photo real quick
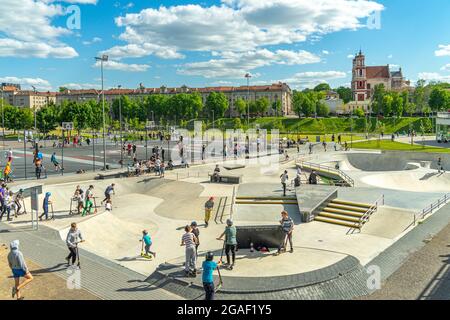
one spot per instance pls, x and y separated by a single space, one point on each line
431 208
330 170
366 216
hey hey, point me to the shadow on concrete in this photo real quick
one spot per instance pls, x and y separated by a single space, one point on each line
439 287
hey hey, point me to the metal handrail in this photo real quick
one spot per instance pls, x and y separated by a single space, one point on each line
233 200
366 216
327 169
429 209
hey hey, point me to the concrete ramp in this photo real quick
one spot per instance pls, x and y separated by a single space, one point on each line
415 180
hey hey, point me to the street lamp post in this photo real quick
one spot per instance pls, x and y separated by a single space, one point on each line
120 124
102 59
34 108
3 119
213 119
248 76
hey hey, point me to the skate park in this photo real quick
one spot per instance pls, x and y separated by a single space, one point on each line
329 242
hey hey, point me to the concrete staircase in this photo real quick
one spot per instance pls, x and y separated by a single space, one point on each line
344 213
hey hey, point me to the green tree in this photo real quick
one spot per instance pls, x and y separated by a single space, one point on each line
359 112
387 105
276 107
240 106
322 109
397 105
377 98
345 94
419 97
47 119
322 87
216 102
237 124
439 99
262 106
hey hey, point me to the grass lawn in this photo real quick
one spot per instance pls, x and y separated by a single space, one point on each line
397 146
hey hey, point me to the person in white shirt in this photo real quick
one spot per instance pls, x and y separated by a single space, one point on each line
284 179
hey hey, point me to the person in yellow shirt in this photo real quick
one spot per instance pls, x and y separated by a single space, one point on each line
7 172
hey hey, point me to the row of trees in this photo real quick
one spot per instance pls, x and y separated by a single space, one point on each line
309 103
134 112
424 100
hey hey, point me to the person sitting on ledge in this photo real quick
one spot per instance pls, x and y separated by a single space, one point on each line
216 174
170 165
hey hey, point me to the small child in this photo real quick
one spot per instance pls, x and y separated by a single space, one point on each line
148 243
108 205
45 205
78 197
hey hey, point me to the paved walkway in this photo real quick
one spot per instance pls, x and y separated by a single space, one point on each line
45 286
415 267
425 275
103 278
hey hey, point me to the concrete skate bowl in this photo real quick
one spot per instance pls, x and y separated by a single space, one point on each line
414 181
389 161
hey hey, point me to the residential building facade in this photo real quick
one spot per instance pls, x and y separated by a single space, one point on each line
275 92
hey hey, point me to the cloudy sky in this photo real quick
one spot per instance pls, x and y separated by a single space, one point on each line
47 43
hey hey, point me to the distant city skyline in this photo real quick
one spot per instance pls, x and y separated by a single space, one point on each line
215 43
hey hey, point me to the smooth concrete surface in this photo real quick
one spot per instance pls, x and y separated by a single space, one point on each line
165 206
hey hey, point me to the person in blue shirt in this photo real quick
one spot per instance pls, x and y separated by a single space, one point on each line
45 204
148 243
207 277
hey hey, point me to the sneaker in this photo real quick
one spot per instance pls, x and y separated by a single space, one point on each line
292 250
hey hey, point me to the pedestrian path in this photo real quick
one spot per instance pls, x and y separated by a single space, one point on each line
99 276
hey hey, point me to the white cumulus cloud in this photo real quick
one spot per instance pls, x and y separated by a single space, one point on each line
119 66
444 50
27 83
238 26
236 64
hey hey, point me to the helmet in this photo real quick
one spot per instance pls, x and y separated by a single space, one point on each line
229 222
21 190
194 223
209 256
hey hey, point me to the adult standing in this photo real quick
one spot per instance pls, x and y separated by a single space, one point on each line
45 204
284 179
74 237
19 269
287 226
189 240
230 243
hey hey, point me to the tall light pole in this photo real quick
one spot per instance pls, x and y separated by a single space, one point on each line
3 119
102 59
120 124
34 108
248 76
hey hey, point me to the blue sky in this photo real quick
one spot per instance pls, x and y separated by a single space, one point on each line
209 43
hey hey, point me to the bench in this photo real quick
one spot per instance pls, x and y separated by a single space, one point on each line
234 166
112 175
235 179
